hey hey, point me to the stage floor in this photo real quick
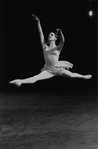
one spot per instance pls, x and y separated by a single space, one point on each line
48 124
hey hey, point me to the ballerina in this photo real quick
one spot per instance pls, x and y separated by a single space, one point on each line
53 66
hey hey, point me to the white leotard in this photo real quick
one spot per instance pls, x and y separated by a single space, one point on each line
51 56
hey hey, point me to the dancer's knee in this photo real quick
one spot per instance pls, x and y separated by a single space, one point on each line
68 74
74 75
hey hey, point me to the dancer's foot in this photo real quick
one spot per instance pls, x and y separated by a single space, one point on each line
17 82
87 76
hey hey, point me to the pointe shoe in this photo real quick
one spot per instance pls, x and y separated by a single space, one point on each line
88 76
16 82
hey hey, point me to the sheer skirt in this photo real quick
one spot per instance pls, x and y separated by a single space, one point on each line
58 68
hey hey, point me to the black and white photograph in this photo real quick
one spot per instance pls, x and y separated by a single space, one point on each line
49 74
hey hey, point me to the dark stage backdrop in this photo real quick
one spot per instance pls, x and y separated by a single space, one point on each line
21 54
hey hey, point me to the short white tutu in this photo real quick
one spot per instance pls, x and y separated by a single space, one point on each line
58 68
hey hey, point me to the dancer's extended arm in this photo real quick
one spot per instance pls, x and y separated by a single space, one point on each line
62 40
40 32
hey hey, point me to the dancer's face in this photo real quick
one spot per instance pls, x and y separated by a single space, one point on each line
52 37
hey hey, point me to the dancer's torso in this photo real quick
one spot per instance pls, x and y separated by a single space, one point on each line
51 56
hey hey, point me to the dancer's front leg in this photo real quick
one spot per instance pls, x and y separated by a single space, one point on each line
42 76
68 73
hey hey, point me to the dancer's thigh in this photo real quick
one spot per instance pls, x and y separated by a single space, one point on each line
44 75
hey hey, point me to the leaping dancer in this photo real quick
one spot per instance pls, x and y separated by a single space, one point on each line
53 66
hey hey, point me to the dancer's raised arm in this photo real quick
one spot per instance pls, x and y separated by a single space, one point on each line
62 39
40 31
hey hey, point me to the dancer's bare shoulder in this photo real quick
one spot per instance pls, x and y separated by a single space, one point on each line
45 47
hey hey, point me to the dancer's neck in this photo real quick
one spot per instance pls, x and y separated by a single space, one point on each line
52 44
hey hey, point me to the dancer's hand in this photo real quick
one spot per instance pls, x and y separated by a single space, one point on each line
35 17
58 30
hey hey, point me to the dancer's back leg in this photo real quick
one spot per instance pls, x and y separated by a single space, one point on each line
41 76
